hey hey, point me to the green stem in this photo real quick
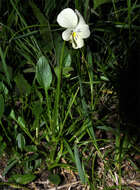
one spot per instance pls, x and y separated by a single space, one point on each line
56 108
5 131
48 107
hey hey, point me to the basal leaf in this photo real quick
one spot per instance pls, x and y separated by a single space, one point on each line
55 179
21 141
22 179
43 73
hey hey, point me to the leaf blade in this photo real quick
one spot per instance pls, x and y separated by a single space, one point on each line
43 73
79 165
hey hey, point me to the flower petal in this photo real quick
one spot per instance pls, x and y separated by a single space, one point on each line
67 18
78 43
83 30
81 19
66 35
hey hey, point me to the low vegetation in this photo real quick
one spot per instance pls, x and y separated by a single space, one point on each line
68 117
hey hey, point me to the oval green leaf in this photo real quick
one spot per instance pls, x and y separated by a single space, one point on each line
23 179
21 141
43 72
54 178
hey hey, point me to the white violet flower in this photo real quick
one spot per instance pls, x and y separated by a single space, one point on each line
76 27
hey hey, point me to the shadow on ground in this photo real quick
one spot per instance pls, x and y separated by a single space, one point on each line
129 92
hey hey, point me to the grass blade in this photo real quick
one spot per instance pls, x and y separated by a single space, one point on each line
5 66
79 165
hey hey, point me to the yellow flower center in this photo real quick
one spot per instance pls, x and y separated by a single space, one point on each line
74 39
74 34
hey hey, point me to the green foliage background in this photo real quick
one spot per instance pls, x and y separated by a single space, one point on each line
54 99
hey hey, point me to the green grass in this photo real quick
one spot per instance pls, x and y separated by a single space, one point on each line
59 107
